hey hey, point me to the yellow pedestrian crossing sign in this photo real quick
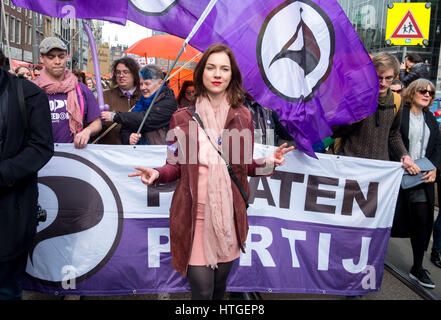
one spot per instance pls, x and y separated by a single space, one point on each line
408 24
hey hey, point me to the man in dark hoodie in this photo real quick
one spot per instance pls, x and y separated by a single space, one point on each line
26 145
412 69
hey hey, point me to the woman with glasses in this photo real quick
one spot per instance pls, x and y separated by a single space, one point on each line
123 95
414 213
186 94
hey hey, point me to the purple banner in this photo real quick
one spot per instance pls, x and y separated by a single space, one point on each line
301 58
282 256
110 10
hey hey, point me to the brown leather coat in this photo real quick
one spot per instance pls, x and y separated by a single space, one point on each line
183 207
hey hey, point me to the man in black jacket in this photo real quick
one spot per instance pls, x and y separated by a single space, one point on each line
26 145
412 69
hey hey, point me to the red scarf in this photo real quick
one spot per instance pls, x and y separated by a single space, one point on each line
67 85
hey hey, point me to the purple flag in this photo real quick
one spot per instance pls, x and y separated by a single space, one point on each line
110 10
302 59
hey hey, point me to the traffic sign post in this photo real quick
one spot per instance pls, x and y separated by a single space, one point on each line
408 24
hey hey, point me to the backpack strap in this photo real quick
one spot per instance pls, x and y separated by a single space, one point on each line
397 102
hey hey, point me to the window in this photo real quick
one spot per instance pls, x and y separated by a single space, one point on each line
18 34
12 29
29 35
7 26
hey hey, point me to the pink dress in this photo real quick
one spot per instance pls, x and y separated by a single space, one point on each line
197 257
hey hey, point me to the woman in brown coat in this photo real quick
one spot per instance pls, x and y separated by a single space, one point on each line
208 218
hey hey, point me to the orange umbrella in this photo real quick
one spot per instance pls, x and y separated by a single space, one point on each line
163 46
18 63
175 83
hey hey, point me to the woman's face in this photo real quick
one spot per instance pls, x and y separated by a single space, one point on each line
89 83
149 87
124 77
217 73
189 93
25 72
423 97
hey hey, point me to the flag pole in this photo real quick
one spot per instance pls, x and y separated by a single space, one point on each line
183 66
96 66
191 34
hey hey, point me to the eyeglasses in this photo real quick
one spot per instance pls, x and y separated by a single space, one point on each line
189 91
388 78
123 72
397 91
423 92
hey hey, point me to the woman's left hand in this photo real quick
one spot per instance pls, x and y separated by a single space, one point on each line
277 158
429 176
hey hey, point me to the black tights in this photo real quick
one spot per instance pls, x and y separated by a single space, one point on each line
419 222
208 284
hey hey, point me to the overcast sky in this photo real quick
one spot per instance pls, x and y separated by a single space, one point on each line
128 34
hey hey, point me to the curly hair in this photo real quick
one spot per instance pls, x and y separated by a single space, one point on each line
131 64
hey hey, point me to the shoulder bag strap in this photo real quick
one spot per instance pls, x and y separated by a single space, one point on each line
229 168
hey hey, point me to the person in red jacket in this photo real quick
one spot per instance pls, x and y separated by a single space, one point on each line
208 219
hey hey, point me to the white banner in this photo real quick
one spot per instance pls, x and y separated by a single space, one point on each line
96 213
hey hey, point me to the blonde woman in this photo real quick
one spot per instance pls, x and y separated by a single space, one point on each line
415 207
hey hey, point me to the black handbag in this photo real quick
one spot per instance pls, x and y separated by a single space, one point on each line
230 170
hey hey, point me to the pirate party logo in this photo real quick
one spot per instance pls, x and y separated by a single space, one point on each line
295 49
83 225
153 8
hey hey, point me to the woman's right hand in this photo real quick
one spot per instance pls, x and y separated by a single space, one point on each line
148 175
134 138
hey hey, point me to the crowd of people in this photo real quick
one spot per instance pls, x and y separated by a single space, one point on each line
60 106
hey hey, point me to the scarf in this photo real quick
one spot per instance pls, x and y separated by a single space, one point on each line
144 103
67 85
219 210
383 101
